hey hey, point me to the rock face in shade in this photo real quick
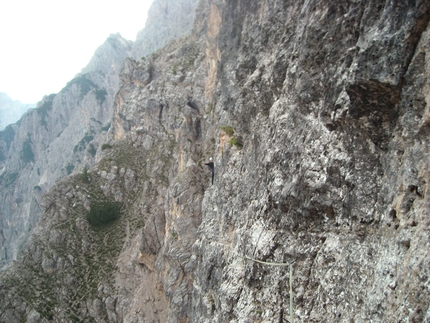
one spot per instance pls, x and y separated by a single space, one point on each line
317 116
62 135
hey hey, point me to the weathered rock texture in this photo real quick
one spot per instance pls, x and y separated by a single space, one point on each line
65 132
317 116
49 142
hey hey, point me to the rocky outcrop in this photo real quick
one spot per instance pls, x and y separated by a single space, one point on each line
52 141
65 132
11 111
322 96
317 117
167 20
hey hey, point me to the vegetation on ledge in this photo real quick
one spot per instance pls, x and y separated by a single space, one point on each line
103 212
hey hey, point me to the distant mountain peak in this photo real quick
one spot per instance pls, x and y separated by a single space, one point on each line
11 110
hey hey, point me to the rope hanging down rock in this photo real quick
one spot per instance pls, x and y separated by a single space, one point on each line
291 278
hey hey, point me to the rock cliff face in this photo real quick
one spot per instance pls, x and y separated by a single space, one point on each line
52 140
67 129
317 116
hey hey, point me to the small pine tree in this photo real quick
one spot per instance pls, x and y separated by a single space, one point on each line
26 152
103 212
84 176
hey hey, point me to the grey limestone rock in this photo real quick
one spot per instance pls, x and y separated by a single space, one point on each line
317 117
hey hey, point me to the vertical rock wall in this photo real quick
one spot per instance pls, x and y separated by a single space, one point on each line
330 102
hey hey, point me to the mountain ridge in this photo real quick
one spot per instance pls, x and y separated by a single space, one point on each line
60 136
11 110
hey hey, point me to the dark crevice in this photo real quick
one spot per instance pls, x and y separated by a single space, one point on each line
193 105
420 26
374 109
198 128
160 116
373 97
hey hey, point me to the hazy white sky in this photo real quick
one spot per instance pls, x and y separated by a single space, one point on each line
45 43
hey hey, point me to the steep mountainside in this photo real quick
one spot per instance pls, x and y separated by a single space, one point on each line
51 140
317 116
66 130
167 19
11 111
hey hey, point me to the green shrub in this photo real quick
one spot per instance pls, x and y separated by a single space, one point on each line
106 146
84 141
174 235
228 130
234 141
84 84
175 68
84 176
7 135
26 152
69 168
103 212
211 108
101 95
42 111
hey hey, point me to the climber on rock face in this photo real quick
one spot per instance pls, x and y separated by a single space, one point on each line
211 167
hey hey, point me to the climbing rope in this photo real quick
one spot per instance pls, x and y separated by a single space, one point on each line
270 263
291 278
